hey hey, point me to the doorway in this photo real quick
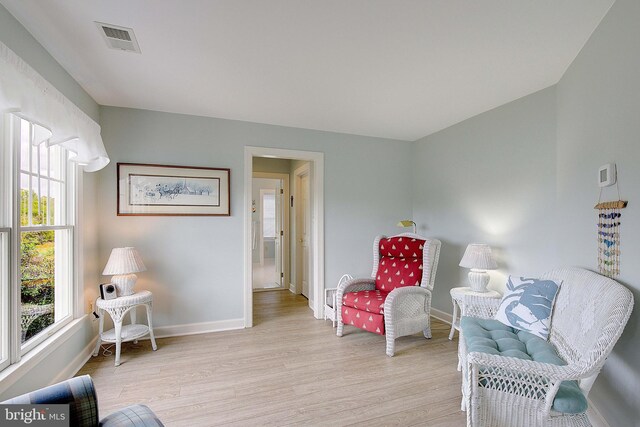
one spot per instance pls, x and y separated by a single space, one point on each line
308 180
269 230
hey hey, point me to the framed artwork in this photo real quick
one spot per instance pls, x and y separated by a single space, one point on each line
172 190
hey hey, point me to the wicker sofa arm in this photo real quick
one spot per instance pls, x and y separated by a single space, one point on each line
533 380
483 308
546 370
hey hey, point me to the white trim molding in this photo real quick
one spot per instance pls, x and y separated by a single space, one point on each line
595 416
198 328
77 363
441 315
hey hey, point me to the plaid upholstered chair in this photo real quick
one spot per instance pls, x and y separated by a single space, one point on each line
396 300
80 395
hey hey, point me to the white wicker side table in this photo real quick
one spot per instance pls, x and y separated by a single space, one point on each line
457 295
330 305
117 309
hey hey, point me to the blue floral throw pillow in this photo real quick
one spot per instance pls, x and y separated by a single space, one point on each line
527 305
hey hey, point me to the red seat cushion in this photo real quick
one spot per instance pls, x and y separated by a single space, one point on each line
400 263
370 301
364 320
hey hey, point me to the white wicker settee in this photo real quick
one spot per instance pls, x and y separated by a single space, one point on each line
396 299
589 315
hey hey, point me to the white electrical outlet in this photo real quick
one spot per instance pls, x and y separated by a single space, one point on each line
607 175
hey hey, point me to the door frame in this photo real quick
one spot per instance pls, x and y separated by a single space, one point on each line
316 160
285 226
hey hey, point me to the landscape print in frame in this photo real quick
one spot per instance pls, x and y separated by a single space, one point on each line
172 190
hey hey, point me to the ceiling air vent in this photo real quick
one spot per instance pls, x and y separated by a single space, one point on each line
119 38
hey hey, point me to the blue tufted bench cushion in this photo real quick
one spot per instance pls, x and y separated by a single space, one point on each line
493 337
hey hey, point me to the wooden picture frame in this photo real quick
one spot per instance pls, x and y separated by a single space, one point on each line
164 190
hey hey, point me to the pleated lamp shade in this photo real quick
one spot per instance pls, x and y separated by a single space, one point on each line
478 256
123 264
124 261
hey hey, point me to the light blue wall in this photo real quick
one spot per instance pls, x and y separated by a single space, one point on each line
195 263
523 178
599 123
263 164
490 179
16 37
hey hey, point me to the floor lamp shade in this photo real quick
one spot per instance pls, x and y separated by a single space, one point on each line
123 264
407 223
478 258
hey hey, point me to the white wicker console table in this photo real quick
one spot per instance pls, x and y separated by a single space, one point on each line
117 309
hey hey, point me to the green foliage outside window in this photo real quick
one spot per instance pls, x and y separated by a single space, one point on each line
37 260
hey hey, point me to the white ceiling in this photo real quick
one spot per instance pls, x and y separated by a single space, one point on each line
400 69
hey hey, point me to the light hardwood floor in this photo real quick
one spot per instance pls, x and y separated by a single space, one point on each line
289 369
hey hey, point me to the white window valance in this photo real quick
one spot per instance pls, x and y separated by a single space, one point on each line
27 94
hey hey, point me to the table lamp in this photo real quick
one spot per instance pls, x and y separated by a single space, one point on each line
123 264
407 223
478 258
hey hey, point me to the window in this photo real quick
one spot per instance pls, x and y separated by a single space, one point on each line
5 245
4 297
36 240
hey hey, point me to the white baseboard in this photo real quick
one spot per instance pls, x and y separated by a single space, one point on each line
198 328
77 363
595 416
292 288
441 315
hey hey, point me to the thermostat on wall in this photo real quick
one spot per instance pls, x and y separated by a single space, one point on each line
607 175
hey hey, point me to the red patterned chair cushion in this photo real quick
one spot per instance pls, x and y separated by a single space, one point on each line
361 319
400 263
370 301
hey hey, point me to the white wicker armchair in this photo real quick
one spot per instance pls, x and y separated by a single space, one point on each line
589 316
407 309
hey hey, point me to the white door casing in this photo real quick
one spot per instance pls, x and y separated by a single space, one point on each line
279 235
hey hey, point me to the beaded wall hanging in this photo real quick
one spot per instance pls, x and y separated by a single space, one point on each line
609 220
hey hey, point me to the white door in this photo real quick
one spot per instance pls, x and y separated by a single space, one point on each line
279 233
304 231
267 217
